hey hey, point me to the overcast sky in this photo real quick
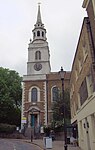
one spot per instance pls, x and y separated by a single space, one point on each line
62 19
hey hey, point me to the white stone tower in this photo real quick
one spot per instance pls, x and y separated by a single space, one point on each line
38 50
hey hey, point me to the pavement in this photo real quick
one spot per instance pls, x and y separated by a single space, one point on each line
56 145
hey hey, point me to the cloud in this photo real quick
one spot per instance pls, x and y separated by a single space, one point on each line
62 19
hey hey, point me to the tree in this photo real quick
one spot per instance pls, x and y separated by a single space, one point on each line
10 96
58 109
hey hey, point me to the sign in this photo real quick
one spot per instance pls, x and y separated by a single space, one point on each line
23 120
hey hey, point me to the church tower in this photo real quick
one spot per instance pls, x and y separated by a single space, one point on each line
34 99
38 51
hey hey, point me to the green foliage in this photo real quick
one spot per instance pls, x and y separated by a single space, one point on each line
58 111
6 128
57 126
10 96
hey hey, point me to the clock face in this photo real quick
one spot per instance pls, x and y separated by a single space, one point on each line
38 66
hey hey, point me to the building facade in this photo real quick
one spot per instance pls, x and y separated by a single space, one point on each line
82 82
40 85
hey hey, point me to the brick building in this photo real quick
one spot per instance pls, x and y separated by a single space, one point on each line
40 85
82 82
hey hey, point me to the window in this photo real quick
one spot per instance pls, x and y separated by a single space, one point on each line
38 33
42 34
83 92
89 84
55 93
38 55
34 95
34 34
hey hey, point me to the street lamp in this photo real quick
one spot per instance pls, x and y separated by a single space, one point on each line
47 95
62 74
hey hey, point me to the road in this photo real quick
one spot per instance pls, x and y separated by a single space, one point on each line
11 144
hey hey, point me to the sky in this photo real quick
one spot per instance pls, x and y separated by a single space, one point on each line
62 20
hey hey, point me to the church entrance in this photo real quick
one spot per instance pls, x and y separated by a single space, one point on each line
33 120
35 125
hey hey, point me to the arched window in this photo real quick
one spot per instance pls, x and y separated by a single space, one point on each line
38 55
34 94
34 34
42 34
38 33
55 94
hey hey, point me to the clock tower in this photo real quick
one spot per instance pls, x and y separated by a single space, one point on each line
38 50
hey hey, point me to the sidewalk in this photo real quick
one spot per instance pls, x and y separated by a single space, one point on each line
56 145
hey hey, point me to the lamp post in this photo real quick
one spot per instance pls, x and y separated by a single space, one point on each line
47 98
62 73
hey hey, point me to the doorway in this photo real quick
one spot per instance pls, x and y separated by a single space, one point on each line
33 120
35 125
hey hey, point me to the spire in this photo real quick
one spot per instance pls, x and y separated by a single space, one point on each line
39 15
39 32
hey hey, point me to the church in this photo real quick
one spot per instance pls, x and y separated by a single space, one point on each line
40 85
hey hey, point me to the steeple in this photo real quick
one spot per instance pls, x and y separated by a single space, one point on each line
38 51
39 15
39 32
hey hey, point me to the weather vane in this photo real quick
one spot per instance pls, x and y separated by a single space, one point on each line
39 3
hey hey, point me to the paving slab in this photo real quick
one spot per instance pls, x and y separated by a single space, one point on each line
56 145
